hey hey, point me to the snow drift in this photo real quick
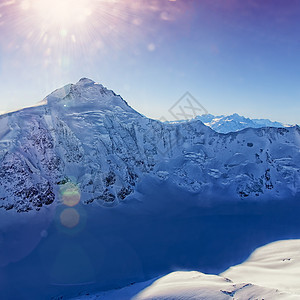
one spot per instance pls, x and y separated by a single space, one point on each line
272 272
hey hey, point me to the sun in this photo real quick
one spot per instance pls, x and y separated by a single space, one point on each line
59 14
61 27
59 32
68 24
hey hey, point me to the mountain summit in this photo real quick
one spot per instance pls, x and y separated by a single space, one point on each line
85 82
86 95
85 138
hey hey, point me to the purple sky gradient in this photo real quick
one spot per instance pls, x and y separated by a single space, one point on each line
233 56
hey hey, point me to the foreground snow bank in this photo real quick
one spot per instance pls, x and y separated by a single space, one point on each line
276 265
271 272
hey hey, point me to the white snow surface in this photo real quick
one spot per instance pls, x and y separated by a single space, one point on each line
271 272
276 265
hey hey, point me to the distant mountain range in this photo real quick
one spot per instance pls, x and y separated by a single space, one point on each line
235 122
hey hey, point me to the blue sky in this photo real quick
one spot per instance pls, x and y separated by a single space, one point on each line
233 56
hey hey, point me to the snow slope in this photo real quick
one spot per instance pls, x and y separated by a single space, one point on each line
86 139
271 272
276 266
235 122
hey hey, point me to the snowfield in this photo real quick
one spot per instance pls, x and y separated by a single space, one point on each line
271 272
274 266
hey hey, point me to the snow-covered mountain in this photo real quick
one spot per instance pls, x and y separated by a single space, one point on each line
235 122
86 141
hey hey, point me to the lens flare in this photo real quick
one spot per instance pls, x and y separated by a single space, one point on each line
70 194
57 24
58 37
69 218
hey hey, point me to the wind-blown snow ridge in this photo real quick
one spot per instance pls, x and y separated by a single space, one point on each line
85 135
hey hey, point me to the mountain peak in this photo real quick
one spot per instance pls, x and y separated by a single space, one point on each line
85 82
87 95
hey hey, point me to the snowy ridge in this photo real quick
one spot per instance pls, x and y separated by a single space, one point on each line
87 136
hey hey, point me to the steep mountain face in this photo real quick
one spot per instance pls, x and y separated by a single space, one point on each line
232 123
85 141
